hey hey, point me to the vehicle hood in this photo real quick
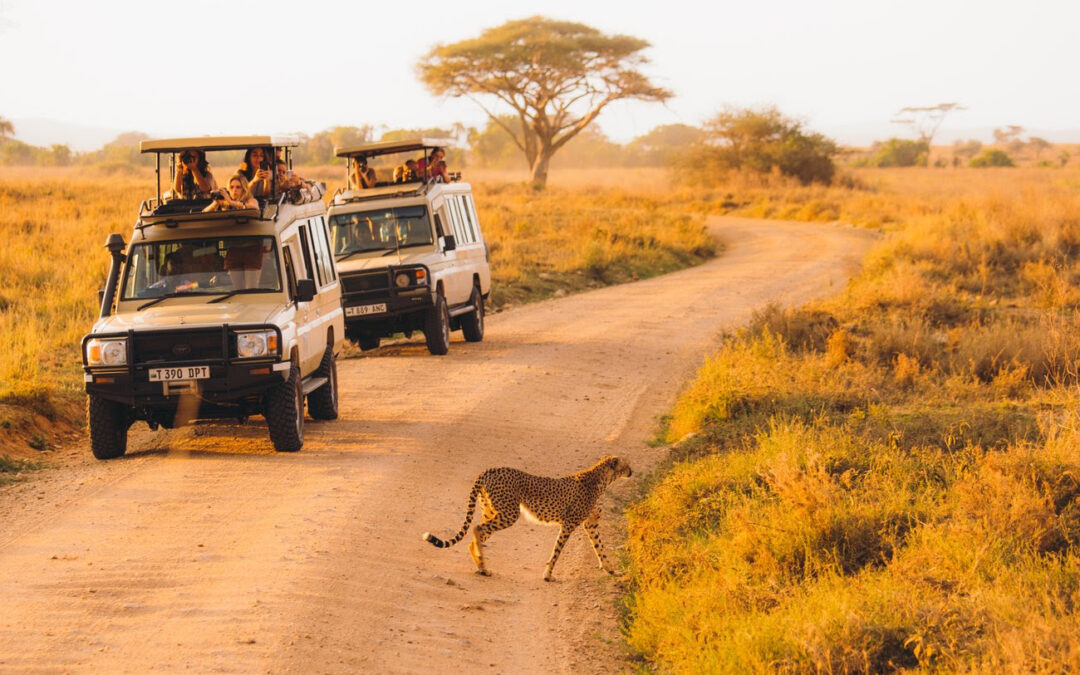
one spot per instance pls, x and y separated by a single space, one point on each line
408 257
175 312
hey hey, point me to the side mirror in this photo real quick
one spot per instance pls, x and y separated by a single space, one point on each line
305 290
449 243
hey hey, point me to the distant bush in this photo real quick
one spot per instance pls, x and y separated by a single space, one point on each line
898 152
991 158
759 141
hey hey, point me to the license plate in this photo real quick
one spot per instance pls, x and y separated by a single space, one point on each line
179 373
363 310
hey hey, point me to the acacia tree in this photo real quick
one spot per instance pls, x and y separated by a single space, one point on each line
556 76
7 129
926 120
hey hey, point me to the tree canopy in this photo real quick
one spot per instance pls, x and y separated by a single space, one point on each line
556 76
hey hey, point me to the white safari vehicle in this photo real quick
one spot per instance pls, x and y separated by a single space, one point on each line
220 314
409 248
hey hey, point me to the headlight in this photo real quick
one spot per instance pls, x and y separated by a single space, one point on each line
402 279
111 352
417 277
256 344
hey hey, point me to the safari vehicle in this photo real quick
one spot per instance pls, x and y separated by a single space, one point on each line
410 251
219 314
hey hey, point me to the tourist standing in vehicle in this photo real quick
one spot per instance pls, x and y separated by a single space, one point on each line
238 196
363 176
256 170
433 166
405 173
193 178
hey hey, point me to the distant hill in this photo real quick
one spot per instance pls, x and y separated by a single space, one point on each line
80 138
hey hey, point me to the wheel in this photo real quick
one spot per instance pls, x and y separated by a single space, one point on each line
322 404
108 427
437 327
284 410
368 343
472 324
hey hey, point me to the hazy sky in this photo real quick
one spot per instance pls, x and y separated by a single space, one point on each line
194 67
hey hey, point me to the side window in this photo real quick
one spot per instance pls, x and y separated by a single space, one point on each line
322 248
290 269
317 252
455 220
470 215
306 248
440 231
459 226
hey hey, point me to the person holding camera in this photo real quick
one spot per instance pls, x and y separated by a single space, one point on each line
256 171
238 196
193 179
363 176
433 166
405 173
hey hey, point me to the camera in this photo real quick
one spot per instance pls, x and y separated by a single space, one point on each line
218 195
265 165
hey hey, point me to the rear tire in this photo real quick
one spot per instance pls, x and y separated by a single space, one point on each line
108 427
284 410
322 404
472 324
437 327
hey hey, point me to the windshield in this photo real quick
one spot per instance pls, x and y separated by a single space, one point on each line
380 230
201 267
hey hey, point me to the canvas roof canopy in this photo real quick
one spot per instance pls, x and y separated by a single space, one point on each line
390 147
217 143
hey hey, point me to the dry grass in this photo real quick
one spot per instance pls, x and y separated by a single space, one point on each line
889 479
55 222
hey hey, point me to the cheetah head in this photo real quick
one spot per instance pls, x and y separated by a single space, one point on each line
616 467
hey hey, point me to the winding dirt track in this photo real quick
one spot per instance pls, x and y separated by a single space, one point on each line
205 550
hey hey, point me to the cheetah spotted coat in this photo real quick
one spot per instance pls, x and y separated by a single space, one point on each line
505 493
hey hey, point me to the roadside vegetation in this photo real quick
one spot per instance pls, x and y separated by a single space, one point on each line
55 222
890 478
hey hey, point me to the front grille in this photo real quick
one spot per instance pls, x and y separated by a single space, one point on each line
366 282
178 346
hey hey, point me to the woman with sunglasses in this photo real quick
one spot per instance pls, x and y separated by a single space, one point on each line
193 178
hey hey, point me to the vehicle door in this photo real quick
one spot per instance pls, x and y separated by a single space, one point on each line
443 267
327 300
460 274
299 252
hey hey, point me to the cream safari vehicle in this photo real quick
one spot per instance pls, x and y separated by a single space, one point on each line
220 314
409 249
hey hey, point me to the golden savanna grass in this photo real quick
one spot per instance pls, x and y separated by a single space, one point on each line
54 223
888 479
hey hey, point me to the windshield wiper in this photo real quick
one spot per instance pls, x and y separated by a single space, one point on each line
229 294
159 299
357 250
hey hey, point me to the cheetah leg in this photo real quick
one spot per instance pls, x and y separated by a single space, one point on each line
592 528
564 534
501 520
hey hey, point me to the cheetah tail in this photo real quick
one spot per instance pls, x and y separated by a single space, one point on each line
441 543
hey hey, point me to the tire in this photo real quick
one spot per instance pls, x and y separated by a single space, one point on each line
472 324
368 343
284 411
322 404
108 427
437 327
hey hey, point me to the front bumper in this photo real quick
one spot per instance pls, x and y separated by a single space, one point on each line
405 306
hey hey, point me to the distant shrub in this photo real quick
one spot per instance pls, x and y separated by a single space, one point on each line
760 141
899 152
991 158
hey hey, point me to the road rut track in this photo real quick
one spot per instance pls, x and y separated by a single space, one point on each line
204 549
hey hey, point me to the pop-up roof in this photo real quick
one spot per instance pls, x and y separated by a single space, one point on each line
218 143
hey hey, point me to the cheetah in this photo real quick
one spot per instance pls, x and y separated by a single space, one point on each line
506 493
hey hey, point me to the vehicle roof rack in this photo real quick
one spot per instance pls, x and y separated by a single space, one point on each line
218 143
390 147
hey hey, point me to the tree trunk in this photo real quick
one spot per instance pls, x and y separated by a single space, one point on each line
540 169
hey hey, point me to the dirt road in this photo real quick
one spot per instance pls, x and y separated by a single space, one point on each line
205 550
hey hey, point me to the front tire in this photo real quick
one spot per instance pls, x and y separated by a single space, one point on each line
108 427
437 327
472 324
368 343
322 403
284 410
